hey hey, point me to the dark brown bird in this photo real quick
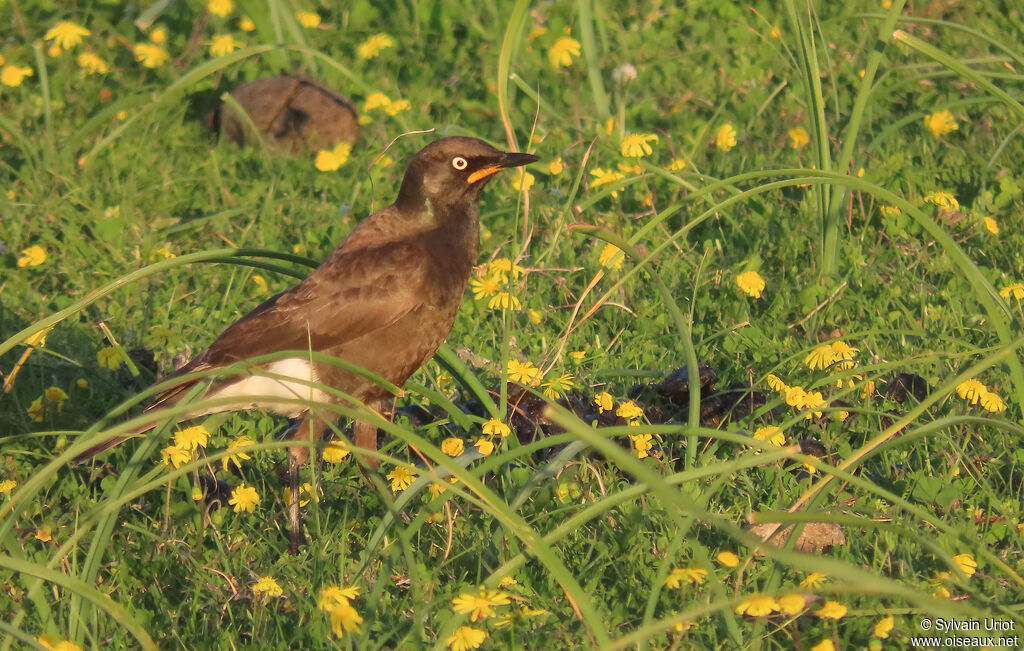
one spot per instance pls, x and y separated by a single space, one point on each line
385 300
290 113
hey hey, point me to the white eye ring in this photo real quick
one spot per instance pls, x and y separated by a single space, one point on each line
459 163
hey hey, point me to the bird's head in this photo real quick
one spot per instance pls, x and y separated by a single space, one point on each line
452 171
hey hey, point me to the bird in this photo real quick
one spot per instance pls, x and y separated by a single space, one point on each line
385 300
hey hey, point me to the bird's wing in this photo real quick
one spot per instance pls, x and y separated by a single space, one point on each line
351 294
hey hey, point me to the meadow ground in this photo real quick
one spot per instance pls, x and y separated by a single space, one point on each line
819 202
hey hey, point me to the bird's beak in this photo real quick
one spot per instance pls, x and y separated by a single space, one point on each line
510 159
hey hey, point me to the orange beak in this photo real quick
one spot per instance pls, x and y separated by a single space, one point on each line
510 159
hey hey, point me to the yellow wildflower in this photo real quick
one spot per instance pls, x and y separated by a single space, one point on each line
642 444
636 145
335 452
237 452
44 534
831 610
244 498
484 447
175 455
193 437
501 268
66 35
685 575
376 101
495 426
345 619
7 485
772 434
728 559
401 478
486 286
523 181
465 638
813 580
992 402
158 35
306 493
12 75
751 283
150 55
966 563
223 44
940 123
479 605
504 301
611 257
220 7
561 53
333 596
605 177
943 200
246 24
328 160
824 645
555 388
453 447
821 357
677 165
308 19
522 372
556 166
792 604
629 410
725 137
758 606
92 63
991 225
799 137
1015 290
890 211
604 402
533 315
883 627
33 256
373 46
109 358
268 586
56 395
775 383
396 107
971 391
36 411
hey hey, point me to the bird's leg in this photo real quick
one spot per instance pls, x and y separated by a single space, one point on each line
297 455
365 434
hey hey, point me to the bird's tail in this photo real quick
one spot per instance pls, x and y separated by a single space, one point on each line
112 442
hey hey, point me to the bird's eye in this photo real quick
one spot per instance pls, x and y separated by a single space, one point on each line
459 163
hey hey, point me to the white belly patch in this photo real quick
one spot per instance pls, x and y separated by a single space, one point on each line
258 391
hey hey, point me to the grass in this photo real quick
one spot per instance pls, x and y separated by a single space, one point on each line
157 236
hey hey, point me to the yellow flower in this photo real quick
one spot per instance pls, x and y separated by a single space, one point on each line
175 455
109 358
39 338
244 498
792 604
193 437
642 444
561 53
629 410
396 107
66 35
992 402
236 448
831 610
345 619
890 211
611 257
556 166
843 355
453 447
605 177
557 387
12 75
333 596
44 534
33 256
1014 289
604 402
268 586
486 286
943 200
522 372
376 101
533 315
220 7
480 605
725 137
728 559
57 395
495 426
824 645
523 181
966 563
308 19
796 396
772 434
636 145
685 575
484 447
401 478
813 580
799 137
246 24
7 485
821 357
261 282
36 411
883 627
775 383
158 35
504 301
751 283
150 55
971 390
306 493
465 638
328 160
56 644
373 46
501 268
940 123
92 63
677 165
758 606
813 400
223 44
991 225
335 452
